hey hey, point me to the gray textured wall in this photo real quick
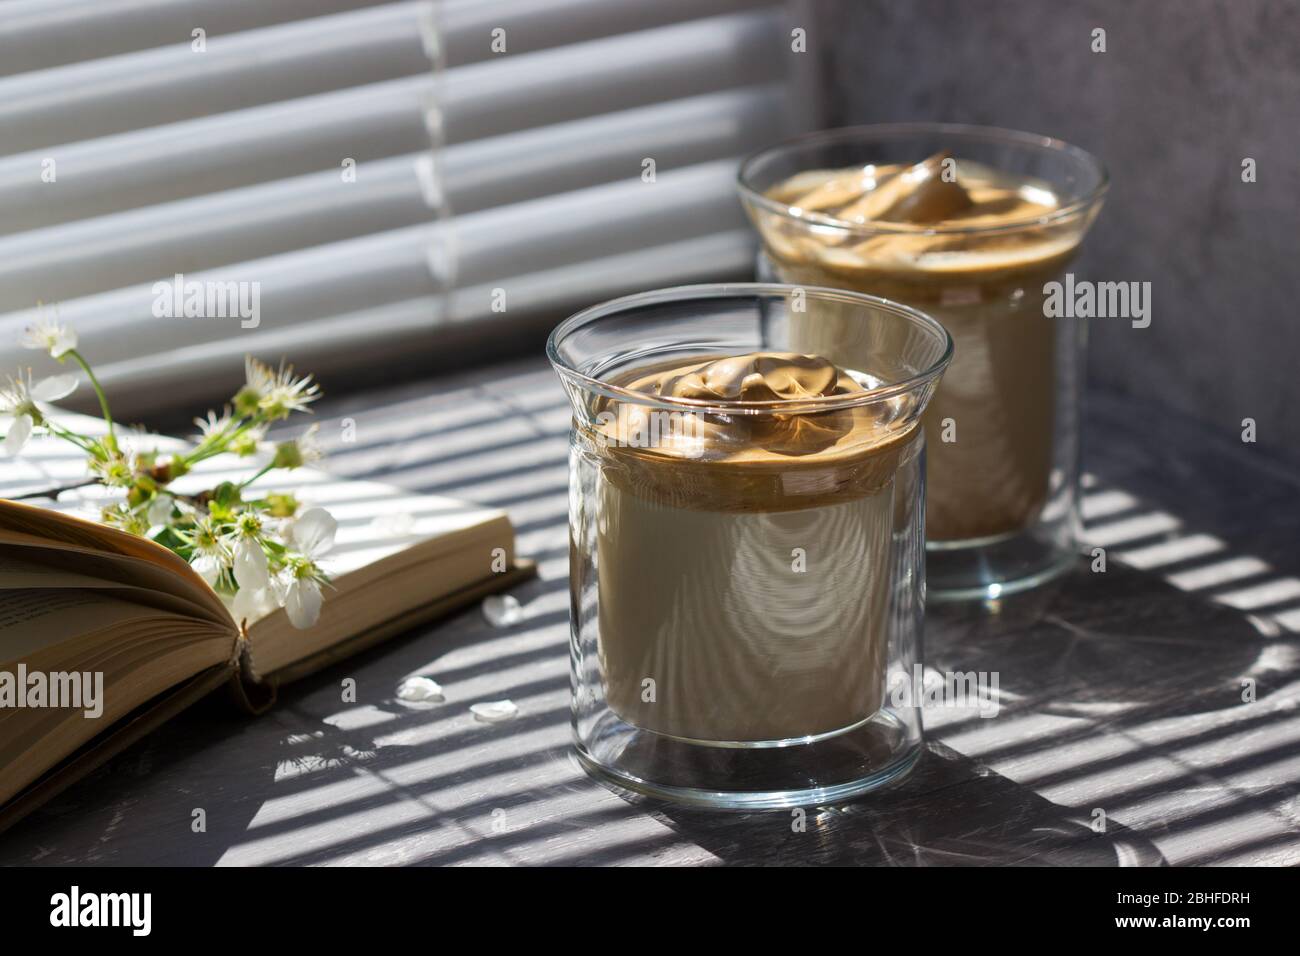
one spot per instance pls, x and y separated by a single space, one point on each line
1185 90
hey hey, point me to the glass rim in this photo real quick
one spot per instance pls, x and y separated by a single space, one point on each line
739 290
970 132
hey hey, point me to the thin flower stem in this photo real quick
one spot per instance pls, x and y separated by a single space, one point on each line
200 454
80 441
103 399
203 454
249 481
53 493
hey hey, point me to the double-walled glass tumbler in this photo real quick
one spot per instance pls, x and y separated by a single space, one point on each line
972 226
746 539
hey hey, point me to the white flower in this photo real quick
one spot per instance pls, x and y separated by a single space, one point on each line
244 606
210 556
258 376
250 604
302 601
20 395
20 429
213 424
208 566
313 532
50 337
125 518
112 468
278 589
276 392
312 535
160 510
54 388
248 440
252 571
302 450
19 399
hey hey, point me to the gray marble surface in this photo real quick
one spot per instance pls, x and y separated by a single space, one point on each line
1121 693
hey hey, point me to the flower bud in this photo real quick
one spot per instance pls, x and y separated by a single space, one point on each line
287 455
246 400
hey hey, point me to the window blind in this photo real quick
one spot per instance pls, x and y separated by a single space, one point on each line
366 174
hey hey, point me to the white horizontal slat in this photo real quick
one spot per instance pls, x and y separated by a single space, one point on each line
107 252
712 257
526 165
486 247
43 109
263 143
466 26
379 268
571 227
600 76
332 346
46 108
37 34
233 149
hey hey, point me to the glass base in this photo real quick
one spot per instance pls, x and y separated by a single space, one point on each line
989 568
770 775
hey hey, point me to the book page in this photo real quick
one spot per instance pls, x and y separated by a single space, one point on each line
76 547
42 569
36 620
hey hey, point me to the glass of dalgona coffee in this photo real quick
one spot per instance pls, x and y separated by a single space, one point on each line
747 566
976 227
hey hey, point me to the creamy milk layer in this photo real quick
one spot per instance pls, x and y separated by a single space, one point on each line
971 246
743 560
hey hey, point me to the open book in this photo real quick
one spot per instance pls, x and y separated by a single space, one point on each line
105 635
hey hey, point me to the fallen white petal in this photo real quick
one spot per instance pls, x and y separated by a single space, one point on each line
419 689
494 711
397 525
502 610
